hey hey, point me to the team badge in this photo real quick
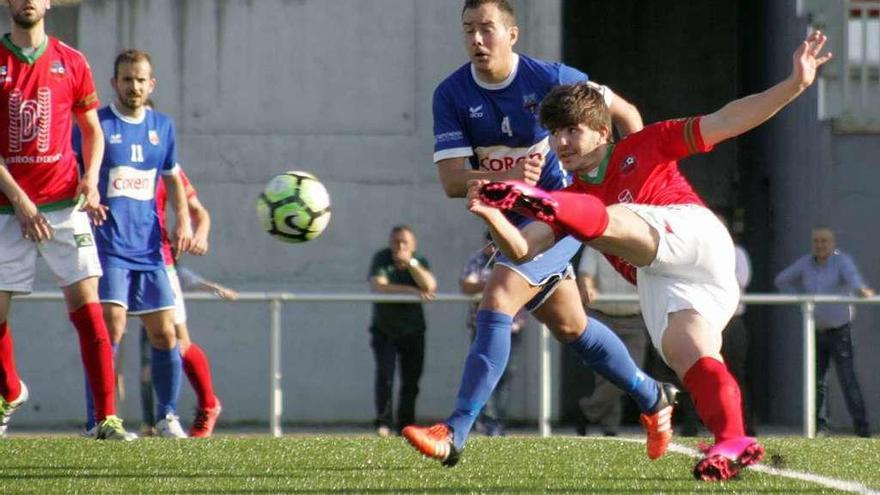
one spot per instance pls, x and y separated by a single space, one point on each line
629 163
83 240
530 103
154 137
57 67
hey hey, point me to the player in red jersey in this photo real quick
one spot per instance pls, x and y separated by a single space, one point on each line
44 82
195 362
630 202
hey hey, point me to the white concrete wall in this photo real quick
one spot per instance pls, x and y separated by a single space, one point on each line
341 88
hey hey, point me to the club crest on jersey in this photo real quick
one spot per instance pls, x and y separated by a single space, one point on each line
625 196
57 67
476 112
115 138
530 103
629 163
153 136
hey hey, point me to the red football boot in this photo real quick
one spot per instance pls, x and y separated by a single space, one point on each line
726 459
434 442
658 421
204 422
521 198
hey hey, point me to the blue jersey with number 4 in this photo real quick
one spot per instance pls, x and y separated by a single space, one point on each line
136 153
496 125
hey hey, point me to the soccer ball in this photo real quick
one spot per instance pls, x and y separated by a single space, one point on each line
294 207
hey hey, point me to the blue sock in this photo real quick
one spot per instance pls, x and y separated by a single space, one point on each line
166 371
483 368
90 400
601 349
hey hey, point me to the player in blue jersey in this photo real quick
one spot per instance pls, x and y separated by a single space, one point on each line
486 127
139 147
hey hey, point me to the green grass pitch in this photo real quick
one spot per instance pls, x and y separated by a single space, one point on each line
366 464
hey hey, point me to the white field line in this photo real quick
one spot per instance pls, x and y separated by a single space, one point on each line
842 485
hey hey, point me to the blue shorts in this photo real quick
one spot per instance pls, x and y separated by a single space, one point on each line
547 269
138 291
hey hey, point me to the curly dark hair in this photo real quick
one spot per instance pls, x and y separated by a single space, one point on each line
571 104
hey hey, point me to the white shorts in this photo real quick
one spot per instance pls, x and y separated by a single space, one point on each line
694 268
71 253
179 305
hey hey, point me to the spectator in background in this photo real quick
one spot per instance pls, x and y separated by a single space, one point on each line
473 280
398 329
830 271
596 275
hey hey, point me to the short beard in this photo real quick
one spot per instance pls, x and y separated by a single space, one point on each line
24 22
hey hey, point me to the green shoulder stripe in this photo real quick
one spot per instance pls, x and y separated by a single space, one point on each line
690 139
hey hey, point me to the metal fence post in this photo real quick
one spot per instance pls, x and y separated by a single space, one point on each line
275 393
809 352
545 382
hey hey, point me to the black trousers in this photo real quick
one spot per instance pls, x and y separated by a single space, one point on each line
836 343
735 351
409 350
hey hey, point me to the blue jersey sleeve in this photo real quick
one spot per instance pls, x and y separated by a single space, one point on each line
450 139
570 75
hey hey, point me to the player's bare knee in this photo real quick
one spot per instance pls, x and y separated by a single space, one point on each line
565 333
565 327
163 340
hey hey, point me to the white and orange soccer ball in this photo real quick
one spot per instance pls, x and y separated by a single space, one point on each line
294 207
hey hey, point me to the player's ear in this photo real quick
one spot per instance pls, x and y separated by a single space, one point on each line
514 34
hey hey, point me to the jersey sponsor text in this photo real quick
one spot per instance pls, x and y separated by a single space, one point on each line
499 158
131 183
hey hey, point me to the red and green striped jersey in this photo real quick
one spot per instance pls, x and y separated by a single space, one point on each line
642 168
39 93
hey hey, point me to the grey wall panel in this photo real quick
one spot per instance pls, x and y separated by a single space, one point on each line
341 88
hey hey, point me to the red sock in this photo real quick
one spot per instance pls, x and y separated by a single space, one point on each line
581 215
198 370
10 383
97 356
716 397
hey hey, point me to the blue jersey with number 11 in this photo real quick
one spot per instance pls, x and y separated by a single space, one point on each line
496 125
136 153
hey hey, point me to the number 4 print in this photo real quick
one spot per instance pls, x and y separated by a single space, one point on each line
505 126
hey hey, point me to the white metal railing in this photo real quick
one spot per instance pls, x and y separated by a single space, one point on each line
276 300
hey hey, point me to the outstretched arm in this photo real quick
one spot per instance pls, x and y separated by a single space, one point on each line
625 116
747 113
